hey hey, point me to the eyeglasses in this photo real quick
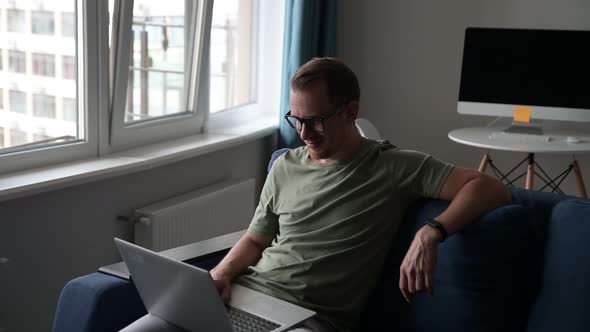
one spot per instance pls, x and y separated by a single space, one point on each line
315 123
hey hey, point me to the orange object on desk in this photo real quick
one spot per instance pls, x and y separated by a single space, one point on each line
522 114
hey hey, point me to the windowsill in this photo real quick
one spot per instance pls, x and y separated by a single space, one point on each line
34 181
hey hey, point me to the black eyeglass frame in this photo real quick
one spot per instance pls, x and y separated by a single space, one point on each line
305 120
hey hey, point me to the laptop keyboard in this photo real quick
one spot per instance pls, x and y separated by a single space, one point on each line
245 322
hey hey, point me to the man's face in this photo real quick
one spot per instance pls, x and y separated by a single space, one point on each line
314 101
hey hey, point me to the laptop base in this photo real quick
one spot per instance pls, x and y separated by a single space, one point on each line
151 323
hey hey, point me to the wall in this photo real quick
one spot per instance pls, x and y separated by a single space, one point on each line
407 55
53 237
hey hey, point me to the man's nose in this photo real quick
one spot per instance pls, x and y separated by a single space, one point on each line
305 132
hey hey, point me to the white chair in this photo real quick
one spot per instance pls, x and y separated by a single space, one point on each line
367 129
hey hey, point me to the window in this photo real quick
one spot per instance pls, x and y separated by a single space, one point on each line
68 25
18 101
157 66
34 105
44 106
1 98
42 22
160 45
69 111
17 61
15 20
18 137
68 67
1 59
40 137
233 54
1 137
152 83
44 64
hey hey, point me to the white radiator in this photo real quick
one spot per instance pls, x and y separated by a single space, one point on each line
198 215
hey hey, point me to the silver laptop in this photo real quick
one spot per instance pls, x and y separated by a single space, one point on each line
185 296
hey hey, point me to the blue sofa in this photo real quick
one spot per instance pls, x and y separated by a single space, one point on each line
521 267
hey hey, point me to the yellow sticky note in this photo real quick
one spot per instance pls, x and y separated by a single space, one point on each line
522 114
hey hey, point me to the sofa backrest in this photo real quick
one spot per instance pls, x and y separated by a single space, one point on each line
541 204
563 303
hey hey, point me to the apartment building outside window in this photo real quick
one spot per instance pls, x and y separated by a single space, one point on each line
68 24
43 106
33 99
17 101
15 20
68 67
42 22
70 112
18 137
40 137
44 64
17 61
156 80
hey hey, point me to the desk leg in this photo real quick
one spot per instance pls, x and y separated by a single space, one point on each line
484 163
530 172
580 180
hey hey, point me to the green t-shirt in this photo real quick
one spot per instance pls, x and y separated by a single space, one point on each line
333 225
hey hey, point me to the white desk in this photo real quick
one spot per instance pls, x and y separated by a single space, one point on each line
552 142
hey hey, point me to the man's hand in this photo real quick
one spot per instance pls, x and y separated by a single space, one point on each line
223 286
246 252
417 269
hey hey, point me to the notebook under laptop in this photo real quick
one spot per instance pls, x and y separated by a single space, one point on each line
185 296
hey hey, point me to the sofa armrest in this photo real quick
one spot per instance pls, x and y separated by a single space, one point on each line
108 300
97 302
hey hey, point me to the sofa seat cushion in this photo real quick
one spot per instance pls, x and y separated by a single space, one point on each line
563 303
484 278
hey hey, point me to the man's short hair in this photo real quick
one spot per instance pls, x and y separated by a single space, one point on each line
340 80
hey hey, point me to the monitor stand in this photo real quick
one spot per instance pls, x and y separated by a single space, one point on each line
532 128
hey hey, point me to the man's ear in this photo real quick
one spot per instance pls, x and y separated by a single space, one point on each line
353 108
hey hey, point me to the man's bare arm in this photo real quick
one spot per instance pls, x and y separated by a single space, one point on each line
471 194
246 252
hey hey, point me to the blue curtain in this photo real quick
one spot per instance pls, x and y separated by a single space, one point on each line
310 31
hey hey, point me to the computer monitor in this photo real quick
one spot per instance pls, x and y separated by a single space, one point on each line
543 72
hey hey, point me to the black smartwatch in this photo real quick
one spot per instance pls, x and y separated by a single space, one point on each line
439 227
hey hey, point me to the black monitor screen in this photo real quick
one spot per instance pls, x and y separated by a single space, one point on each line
526 67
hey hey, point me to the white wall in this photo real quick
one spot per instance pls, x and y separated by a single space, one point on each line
407 55
53 237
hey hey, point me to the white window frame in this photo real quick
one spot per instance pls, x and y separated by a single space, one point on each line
88 97
124 136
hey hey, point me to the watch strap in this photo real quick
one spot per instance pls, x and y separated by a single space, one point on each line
439 227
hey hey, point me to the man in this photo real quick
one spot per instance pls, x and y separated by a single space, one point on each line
329 210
